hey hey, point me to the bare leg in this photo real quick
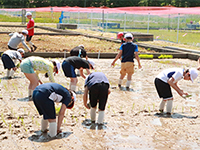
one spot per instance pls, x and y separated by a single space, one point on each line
32 77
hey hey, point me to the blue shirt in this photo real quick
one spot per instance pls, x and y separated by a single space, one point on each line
49 88
94 78
128 50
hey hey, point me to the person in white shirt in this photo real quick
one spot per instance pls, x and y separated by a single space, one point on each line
169 78
9 59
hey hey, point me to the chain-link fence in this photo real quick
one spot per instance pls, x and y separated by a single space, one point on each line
176 28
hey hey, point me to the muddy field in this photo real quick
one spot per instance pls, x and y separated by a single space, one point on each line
130 120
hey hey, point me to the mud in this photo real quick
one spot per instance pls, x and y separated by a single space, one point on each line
131 120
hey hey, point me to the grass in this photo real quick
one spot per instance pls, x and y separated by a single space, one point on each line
165 56
147 56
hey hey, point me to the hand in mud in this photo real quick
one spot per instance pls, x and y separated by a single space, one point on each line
112 64
59 131
15 68
139 66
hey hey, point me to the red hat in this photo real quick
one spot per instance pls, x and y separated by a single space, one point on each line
120 34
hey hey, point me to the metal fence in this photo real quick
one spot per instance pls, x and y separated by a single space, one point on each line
176 28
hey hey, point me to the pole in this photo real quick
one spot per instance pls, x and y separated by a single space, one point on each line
78 18
85 3
178 27
107 22
148 23
103 19
168 21
124 21
91 19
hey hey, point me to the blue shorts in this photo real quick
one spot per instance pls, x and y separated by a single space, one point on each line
26 66
44 105
68 70
7 62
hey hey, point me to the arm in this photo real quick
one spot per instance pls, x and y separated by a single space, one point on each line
138 60
198 63
11 34
175 87
50 73
30 28
85 97
37 73
60 117
116 58
23 42
81 73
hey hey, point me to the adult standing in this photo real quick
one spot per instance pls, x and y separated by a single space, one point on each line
44 97
98 87
17 38
30 28
74 62
9 59
32 66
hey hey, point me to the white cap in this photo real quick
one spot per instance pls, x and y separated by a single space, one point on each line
21 50
81 45
74 95
193 74
128 35
91 62
25 32
28 14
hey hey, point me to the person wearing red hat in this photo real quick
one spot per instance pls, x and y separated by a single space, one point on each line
44 97
120 36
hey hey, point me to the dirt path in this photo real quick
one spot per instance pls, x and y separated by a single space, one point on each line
130 120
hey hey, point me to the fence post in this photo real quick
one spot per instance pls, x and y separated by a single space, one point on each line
107 22
23 16
91 19
124 21
178 27
78 18
103 19
148 23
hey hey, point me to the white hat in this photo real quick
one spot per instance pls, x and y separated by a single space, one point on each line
57 64
193 74
74 95
28 14
21 50
128 35
81 45
25 32
91 62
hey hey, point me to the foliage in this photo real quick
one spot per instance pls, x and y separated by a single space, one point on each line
165 56
147 56
97 3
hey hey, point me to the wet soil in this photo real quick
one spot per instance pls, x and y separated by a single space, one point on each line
131 119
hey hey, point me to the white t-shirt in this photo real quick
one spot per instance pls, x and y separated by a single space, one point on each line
176 73
13 54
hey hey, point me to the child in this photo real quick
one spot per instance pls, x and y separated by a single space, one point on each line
32 66
9 58
79 51
169 78
16 38
30 28
44 97
98 86
120 36
74 62
128 51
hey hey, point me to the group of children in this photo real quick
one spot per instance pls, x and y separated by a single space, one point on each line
96 83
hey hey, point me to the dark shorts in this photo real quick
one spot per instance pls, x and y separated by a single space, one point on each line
28 38
12 48
68 70
99 93
163 89
44 105
7 62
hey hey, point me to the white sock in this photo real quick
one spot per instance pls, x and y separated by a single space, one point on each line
52 129
93 114
120 81
128 83
30 92
73 87
162 105
44 124
8 73
169 106
12 73
30 43
100 117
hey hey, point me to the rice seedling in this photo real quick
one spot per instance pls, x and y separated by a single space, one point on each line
109 107
133 106
144 106
64 120
3 119
190 109
149 110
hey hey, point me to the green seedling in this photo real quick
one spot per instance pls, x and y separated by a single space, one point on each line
165 56
57 109
176 107
147 56
3 119
127 111
190 109
149 110
109 107
77 120
10 127
133 106
144 106
28 113
182 109
64 121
